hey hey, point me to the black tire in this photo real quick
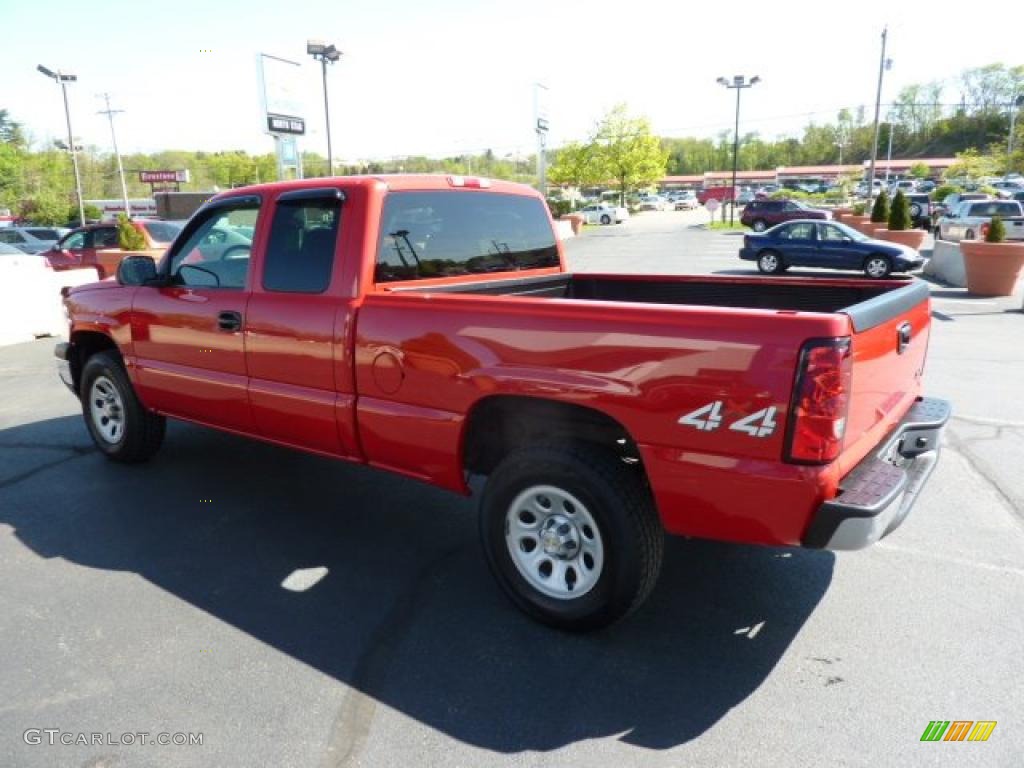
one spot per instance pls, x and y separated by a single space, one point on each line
614 495
877 272
770 262
759 225
969 234
141 431
606 219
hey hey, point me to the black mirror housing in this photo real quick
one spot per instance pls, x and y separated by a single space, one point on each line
136 270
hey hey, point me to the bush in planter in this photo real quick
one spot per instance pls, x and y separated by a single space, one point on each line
880 210
996 232
859 208
899 213
559 207
129 238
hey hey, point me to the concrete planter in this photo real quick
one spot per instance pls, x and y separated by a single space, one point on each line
841 213
912 237
857 222
947 264
576 220
992 268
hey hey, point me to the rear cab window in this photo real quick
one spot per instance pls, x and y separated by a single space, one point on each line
450 233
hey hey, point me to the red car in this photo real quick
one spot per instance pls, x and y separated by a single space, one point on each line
714 193
759 215
98 245
426 325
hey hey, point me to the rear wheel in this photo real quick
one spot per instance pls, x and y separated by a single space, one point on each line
606 219
770 262
571 534
877 266
759 225
969 234
121 428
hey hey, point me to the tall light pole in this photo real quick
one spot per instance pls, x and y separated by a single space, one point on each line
326 54
739 82
61 78
540 127
883 64
113 138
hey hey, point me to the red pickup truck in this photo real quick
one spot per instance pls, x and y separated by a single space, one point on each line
427 325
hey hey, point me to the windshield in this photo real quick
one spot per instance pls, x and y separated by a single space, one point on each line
161 232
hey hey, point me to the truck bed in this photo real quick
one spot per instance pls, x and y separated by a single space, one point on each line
867 302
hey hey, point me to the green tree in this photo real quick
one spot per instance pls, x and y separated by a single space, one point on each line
899 213
627 151
920 171
129 238
880 210
576 165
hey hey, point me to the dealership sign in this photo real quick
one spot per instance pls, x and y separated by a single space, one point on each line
284 124
160 177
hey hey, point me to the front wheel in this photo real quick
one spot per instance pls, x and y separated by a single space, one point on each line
770 263
121 428
606 219
877 267
571 534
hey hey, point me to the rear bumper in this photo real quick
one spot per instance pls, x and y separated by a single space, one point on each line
62 352
748 254
878 494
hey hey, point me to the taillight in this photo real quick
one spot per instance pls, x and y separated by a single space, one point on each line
821 400
470 182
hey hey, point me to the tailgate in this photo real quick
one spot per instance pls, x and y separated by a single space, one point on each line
890 340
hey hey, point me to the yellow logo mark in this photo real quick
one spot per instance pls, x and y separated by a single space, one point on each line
982 730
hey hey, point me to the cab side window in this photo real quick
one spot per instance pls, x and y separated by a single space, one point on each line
215 253
303 241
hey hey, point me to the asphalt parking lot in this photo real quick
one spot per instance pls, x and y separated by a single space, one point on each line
301 612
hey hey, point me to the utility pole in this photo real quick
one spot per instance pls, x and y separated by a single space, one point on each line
883 64
113 138
888 154
326 53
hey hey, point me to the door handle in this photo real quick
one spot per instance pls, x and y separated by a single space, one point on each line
229 321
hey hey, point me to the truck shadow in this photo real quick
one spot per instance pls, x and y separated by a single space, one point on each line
406 613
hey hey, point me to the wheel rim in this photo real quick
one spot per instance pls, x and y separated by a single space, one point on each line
554 542
107 410
877 267
769 263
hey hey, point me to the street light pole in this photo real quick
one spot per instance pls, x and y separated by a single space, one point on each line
61 78
883 65
325 53
739 82
113 138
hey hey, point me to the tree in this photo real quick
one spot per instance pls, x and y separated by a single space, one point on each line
920 171
575 165
899 214
972 165
626 150
10 131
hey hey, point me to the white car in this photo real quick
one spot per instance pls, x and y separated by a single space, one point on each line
603 213
687 202
653 203
30 301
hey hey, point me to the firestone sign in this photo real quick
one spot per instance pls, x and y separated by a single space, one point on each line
158 177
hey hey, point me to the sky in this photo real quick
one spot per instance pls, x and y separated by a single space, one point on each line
450 76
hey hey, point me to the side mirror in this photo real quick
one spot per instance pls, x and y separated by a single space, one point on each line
136 270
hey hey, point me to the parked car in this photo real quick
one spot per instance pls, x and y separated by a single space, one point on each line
32 239
653 203
98 245
759 215
926 186
766 191
862 188
687 202
829 245
969 220
920 205
949 202
714 193
906 186
744 197
436 334
603 213
1005 188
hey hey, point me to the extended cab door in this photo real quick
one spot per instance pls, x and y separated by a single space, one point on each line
299 327
105 253
187 334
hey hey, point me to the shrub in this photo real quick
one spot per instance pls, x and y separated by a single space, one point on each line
92 212
942 192
859 208
880 210
996 232
899 213
559 207
129 238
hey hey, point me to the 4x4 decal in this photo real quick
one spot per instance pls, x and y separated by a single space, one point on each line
708 418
